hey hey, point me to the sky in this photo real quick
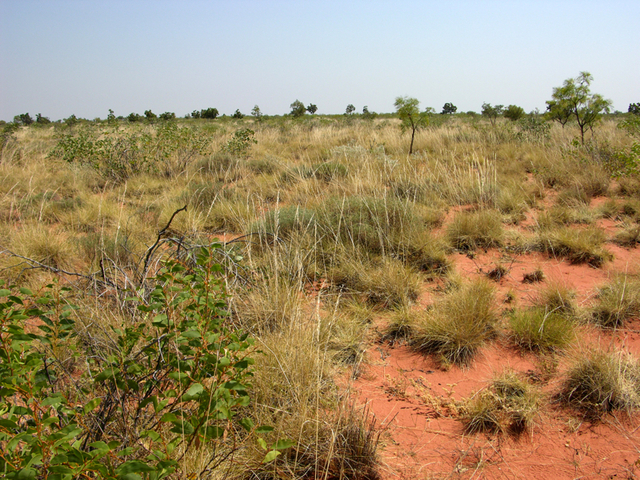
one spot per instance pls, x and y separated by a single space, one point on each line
84 57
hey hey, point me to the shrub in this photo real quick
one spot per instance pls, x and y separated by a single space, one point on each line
240 142
578 246
507 405
600 382
164 387
459 324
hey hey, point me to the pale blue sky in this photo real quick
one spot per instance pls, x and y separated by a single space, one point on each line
63 57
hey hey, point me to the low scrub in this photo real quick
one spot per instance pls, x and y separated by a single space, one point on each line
617 302
600 382
540 330
507 405
472 230
459 324
576 245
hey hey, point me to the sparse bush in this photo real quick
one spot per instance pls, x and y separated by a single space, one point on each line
241 142
507 405
617 302
578 246
540 330
600 382
471 230
459 324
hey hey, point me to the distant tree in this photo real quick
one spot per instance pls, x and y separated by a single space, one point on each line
150 115
366 114
23 119
514 113
408 110
196 114
209 113
449 109
492 113
634 108
297 109
256 112
134 117
167 116
574 97
350 109
40 120
238 114
71 121
312 108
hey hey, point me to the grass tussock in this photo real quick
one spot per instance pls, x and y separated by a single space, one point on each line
617 302
600 382
472 230
508 405
538 330
576 245
459 324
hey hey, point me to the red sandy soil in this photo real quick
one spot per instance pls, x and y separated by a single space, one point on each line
415 401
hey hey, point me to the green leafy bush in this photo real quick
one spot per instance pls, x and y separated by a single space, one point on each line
173 383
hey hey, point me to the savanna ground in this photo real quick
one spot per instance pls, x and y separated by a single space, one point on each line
469 311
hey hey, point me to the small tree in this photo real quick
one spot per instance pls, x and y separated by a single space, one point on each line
366 114
71 121
23 119
298 109
449 109
492 113
150 115
634 108
350 109
40 120
209 113
312 108
238 114
408 110
196 114
168 116
514 113
256 112
574 97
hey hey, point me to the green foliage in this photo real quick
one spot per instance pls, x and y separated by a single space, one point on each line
514 113
492 112
171 384
40 120
634 108
449 109
350 109
134 117
366 114
408 111
617 302
150 116
241 142
71 121
471 230
312 108
256 112
23 119
209 113
575 100
539 329
237 114
297 109
167 116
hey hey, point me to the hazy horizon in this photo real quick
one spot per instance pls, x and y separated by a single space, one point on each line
85 57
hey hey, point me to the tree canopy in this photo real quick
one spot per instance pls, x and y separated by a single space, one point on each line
408 110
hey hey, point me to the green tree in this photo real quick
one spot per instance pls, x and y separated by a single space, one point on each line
449 109
237 114
408 110
634 108
514 113
350 109
312 108
256 112
574 98
297 109
134 117
40 120
366 114
23 119
150 115
492 113
168 116
209 113
71 121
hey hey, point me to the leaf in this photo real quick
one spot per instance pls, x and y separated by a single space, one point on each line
26 474
91 405
271 456
247 424
264 429
133 466
262 443
195 390
283 444
109 372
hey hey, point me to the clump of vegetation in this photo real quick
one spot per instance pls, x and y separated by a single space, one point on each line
577 245
507 405
538 330
617 302
557 297
600 382
459 324
472 230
